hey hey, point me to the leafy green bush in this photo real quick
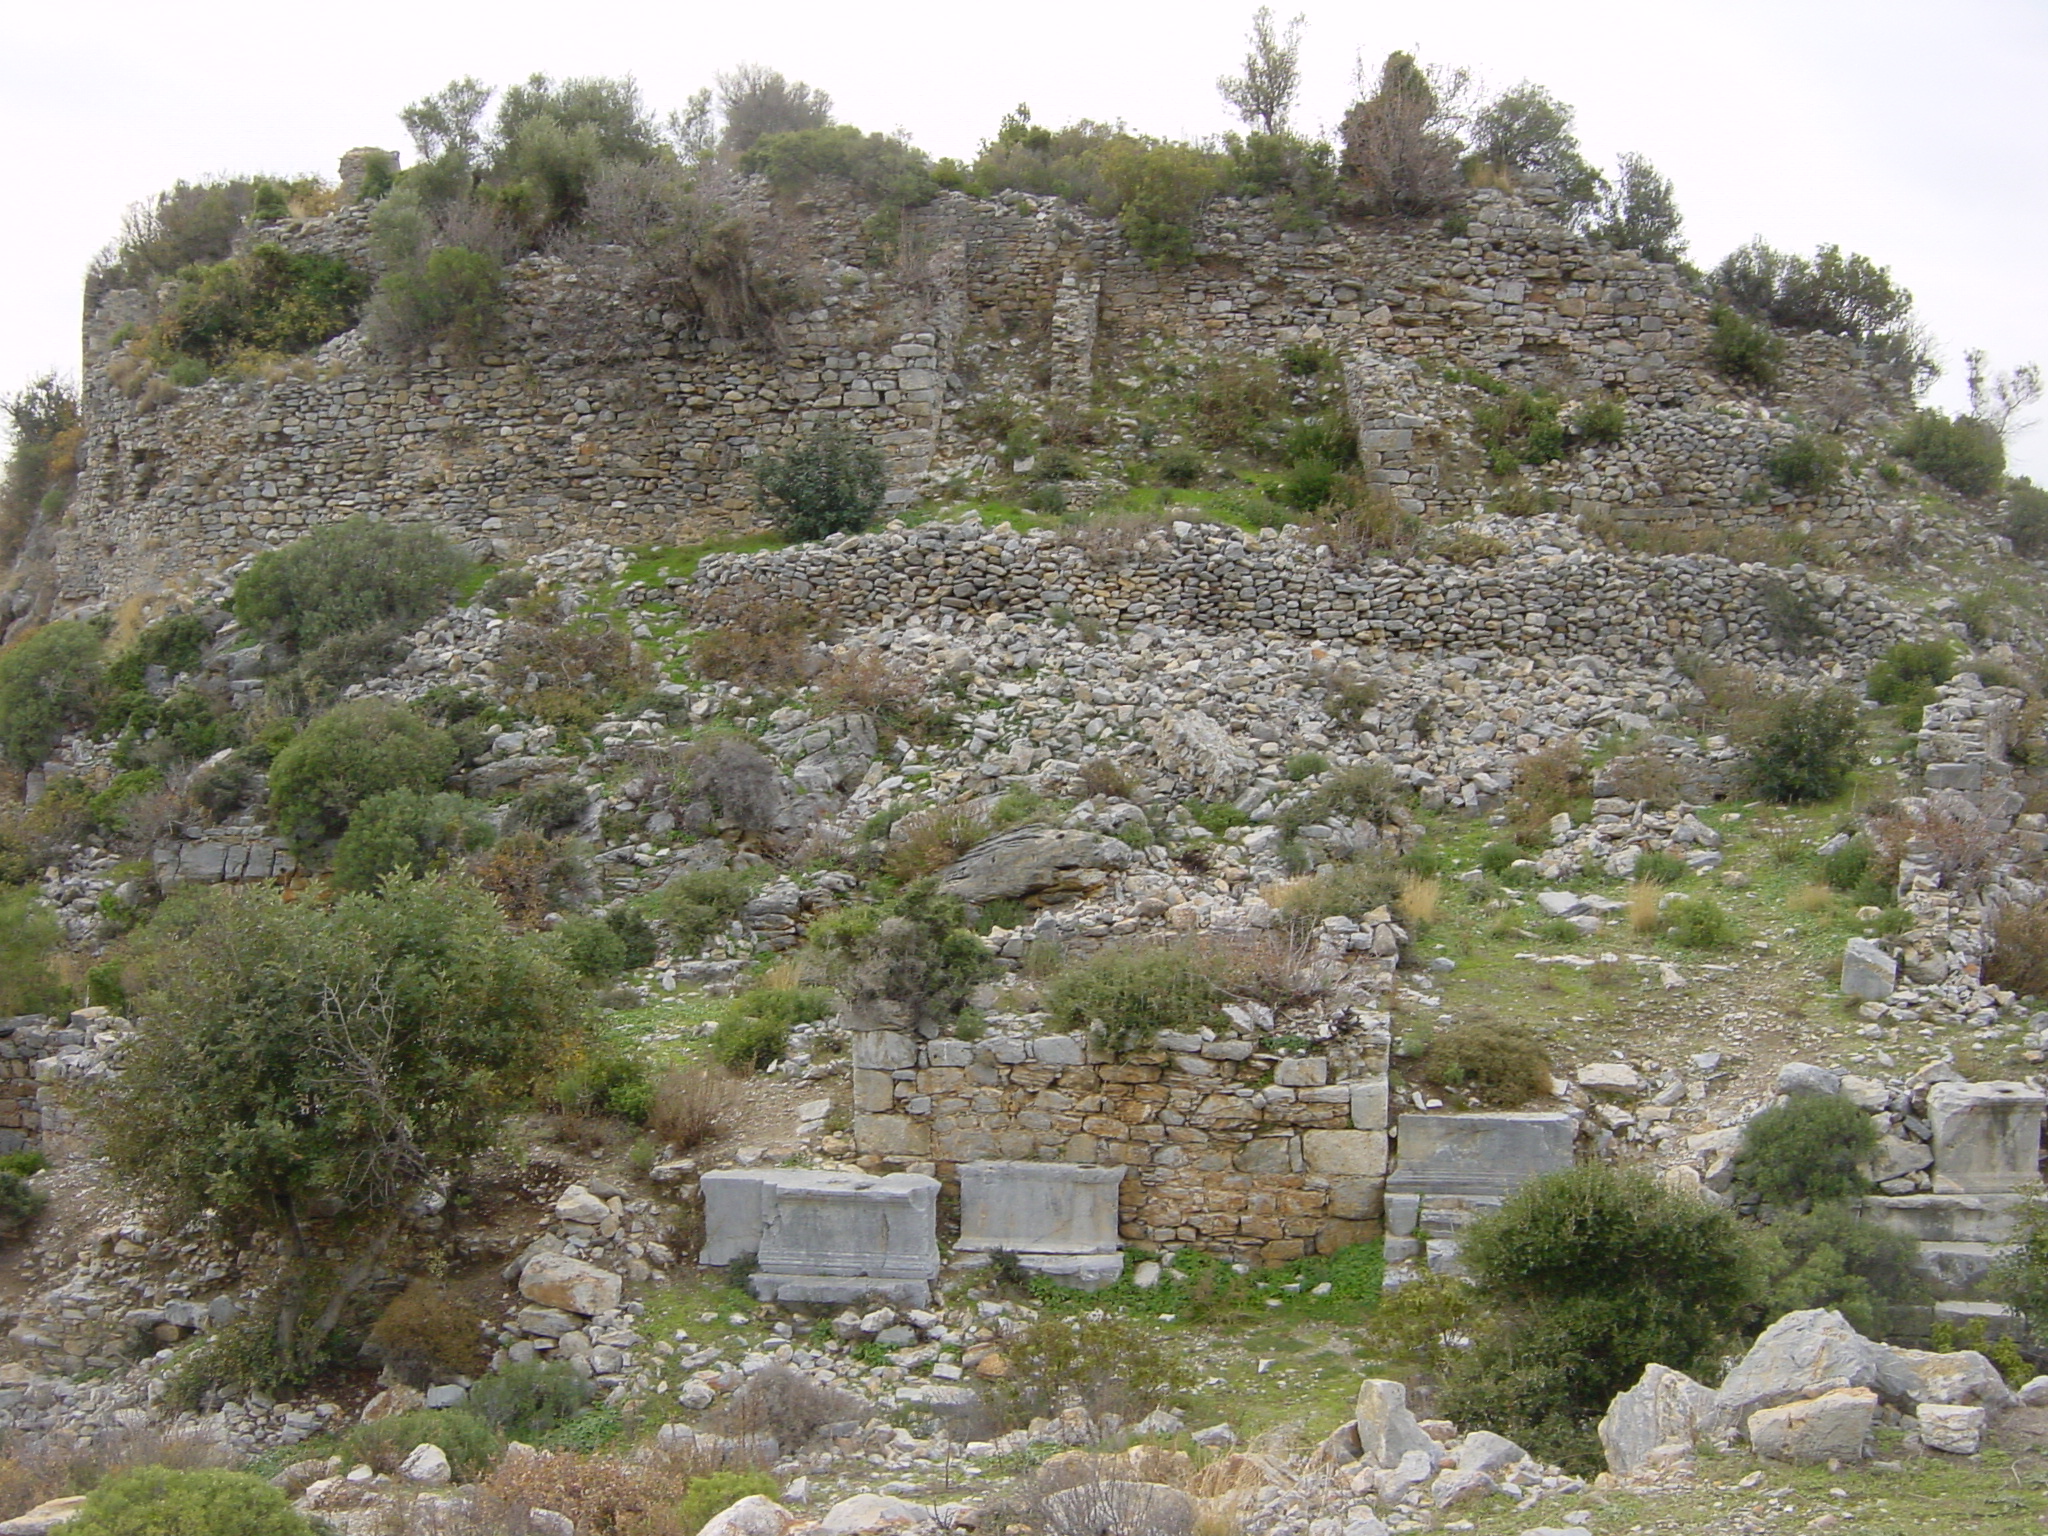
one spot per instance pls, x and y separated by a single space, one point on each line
1806 749
1217 816
265 302
1839 292
828 482
348 578
347 756
1182 466
29 935
406 829
1744 350
697 904
1306 765
610 1078
1124 995
48 683
1101 1362
1496 859
1963 453
1359 792
155 1501
885 169
1828 1257
1809 1150
914 958
1340 890
427 1332
591 948
23 1165
42 466
525 1401
2026 518
1699 922
716 1492
1660 868
1806 465
1500 1066
470 1444
754 1030
1592 1274
451 297
20 1203
1157 190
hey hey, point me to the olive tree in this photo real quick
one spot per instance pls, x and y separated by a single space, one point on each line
1264 94
307 1071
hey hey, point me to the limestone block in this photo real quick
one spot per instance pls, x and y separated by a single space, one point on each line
874 1093
732 1214
1369 1109
831 1223
1666 1408
1387 1431
557 1280
1951 1428
427 1465
1896 1157
1034 861
1059 1051
755 1515
865 1513
1038 1208
1831 1427
1345 1152
1987 1137
1301 1072
1867 971
1481 1154
1911 1377
44 1518
1484 1451
884 1050
1947 1218
1799 1356
891 1135
579 1205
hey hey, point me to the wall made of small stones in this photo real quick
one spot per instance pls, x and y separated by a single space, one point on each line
1226 1146
1219 580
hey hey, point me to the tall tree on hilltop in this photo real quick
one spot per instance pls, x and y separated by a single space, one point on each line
1264 94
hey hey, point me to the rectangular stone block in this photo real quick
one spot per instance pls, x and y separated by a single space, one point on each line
883 1049
891 1136
1369 1107
1025 1207
1479 1154
874 1092
1987 1137
831 1223
1362 1153
1301 1072
732 1214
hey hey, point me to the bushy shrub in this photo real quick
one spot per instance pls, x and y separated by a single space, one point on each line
525 1401
549 808
470 1444
1963 453
609 1078
1743 349
427 1332
1400 145
1592 1274
782 1401
1806 465
1806 749
754 1029
1496 859
2019 950
1700 922
29 936
715 1492
1101 1362
347 756
1350 889
155 1501
828 482
1839 292
912 960
1545 784
48 682
42 466
1660 868
264 302
2026 518
1828 1257
1157 189
1182 466
347 578
450 296
405 829
531 875
1808 1150
885 169
1366 792
690 1105
1125 995
20 1203
1500 1067
697 904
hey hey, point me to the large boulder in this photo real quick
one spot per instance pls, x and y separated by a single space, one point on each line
1041 862
1951 1428
866 1513
1387 1431
1867 971
557 1280
755 1515
1802 1354
1909 1377
1665 1409
1831 1427
44 1518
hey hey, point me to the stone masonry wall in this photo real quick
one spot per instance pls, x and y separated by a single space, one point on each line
600 413
1221 579
1225 1144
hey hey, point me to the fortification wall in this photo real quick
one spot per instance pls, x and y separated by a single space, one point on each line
1630 608
601 413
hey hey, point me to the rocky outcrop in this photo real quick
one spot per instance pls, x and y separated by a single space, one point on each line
1035 864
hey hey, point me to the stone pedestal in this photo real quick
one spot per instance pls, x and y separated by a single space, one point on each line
1987 1137
825 1237
1488 1154
1059 1219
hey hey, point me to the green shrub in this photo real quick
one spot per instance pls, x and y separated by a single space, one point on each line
1502 1067
1100 1362
887 170
426 1332
828 482
1360 792
1182 466
29 936
48 682
754 1031
914 958
470 1444
1830 1258
1698 922
156 1501
1660 868
1808 1150
449 296
1744 350
1806 465
1124 995
1604 420
1157 190
406 829
1498 858
1848 867
1306 765
346 579
526 1401
1907 668
347 756
265 302
611 1079
590 948
1218 816
1592 1274
1340 890
1963 453
23 1165
2026 518
716 1492
552 807
697 904
2019 949
1807 747
20 1203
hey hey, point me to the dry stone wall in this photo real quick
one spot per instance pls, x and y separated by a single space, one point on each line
602 413
1225 1144
1221 579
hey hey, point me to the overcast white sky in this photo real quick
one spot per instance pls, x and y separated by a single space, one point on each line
1912 132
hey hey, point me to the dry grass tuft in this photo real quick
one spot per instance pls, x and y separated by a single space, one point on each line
1814 896
1645 901
1417 903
